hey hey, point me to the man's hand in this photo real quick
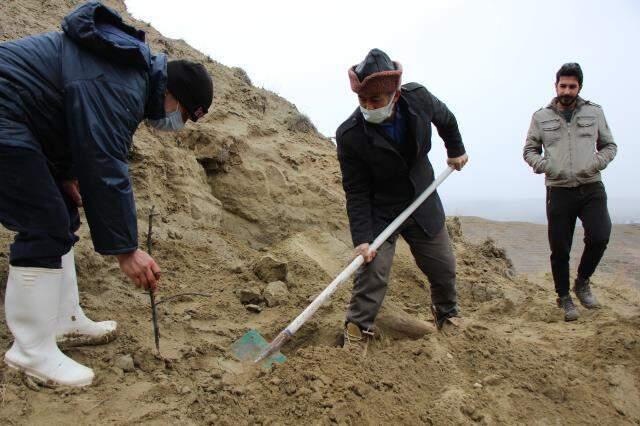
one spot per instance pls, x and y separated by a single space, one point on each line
72 189
458 162
140 268
552 171
363 249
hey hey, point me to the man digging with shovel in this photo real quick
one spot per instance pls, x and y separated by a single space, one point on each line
383 153
69 105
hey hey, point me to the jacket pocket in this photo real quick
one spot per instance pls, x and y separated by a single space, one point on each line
586 126
550 131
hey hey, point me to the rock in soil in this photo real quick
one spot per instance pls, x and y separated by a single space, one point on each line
269 269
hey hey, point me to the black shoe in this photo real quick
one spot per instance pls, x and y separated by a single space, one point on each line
570 311
582 289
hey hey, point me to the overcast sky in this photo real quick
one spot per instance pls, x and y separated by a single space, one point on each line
492 62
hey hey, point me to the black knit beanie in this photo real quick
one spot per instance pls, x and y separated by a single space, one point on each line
191 84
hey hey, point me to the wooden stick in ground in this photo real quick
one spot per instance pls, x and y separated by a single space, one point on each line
154 313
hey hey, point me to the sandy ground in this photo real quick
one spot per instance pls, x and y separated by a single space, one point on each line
527 246
254 180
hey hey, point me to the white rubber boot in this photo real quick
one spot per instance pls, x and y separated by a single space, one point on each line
74 328
31 306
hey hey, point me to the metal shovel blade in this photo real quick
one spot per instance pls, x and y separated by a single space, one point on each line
251 345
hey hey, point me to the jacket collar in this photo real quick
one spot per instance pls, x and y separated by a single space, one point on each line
154 109
553 104
416 125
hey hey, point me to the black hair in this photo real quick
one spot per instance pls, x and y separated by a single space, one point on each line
570 69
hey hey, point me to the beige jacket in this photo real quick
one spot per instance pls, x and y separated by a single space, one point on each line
574 152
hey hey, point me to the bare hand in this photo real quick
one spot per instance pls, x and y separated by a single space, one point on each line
140 268
458 162
363 249
72 189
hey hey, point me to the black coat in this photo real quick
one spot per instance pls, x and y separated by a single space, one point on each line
378 182
78 96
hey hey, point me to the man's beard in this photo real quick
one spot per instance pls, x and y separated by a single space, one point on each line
567 100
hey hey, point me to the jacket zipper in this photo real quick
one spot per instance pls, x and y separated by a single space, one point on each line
572 175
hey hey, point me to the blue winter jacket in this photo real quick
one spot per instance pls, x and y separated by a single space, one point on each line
78 96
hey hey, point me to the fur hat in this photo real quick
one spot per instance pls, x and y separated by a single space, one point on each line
375 74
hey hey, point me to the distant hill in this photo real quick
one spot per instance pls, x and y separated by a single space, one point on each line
527 246
622 210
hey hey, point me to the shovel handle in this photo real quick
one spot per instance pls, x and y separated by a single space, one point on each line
291 329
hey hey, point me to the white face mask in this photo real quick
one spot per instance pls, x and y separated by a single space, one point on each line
377 116
172 122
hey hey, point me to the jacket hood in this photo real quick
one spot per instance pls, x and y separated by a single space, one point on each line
102 31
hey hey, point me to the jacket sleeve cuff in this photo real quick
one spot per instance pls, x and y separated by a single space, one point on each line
456 151
360 240
113 252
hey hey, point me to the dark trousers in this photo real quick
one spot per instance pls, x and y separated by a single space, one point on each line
433 255
564 205
33 204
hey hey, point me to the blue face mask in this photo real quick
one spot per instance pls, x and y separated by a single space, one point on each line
171 123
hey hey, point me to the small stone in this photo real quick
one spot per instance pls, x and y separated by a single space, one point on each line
275 381
269 269
276 293
449 355
619 408
254 308
359 389
125 363
555 393
492 379
290 389
250 296
174 235
161 377
185 390
477 385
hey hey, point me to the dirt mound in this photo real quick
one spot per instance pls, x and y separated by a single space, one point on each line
255 180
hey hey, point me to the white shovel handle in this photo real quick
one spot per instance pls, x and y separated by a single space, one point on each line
358 261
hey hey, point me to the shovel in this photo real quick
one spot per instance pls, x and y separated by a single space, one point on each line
253 347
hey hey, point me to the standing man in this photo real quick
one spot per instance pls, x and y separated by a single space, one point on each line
383 152
69 105
577 144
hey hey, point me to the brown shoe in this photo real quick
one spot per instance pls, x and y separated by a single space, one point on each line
450 319
356 338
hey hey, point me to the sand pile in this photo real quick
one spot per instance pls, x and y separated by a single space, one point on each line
252 197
